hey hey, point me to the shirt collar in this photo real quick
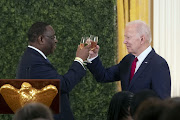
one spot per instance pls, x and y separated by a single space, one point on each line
144 54
40 52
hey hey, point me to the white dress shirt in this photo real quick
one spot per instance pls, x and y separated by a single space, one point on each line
142 56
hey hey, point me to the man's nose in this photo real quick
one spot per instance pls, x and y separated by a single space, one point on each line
125 41
56 40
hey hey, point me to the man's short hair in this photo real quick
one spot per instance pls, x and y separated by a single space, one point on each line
142 29
36 30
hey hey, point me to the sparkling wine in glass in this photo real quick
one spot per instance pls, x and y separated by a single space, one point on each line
94 41
84 42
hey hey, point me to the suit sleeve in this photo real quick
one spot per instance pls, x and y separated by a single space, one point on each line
161 80
67 81
102 74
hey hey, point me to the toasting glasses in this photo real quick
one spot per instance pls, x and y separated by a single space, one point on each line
92 40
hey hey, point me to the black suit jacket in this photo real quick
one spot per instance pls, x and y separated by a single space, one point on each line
34 66
152 74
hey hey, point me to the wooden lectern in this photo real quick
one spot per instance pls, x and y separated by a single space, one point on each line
41 85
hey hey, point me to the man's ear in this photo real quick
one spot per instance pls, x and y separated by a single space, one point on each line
142 38
40 39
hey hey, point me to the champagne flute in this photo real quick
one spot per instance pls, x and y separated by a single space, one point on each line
84 41
94 41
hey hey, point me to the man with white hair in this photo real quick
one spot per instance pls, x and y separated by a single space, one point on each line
141 69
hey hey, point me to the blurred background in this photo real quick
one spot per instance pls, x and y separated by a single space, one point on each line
72 19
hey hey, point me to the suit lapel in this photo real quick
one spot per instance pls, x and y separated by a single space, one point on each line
143 66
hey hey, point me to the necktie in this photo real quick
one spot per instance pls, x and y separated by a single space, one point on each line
133 67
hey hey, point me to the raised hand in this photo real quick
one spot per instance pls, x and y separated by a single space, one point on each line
83 53
93 53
